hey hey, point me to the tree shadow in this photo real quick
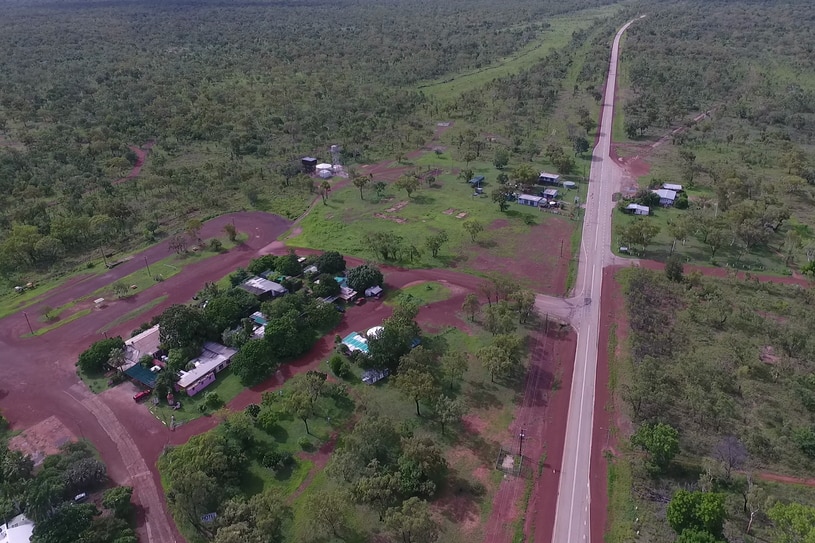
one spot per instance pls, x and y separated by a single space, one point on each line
280 434
452 261
422 199
482 395
487 243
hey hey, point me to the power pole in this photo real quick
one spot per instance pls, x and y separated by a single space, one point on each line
521 437
29 323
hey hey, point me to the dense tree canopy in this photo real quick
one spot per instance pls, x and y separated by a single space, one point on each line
95 358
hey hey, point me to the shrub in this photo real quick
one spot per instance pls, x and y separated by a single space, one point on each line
275 460
339 366
252 410
305 443
212 400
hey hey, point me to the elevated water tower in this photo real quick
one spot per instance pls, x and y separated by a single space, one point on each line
335 155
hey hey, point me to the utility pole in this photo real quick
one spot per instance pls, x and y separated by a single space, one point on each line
521 437
104 258
29 323
148 267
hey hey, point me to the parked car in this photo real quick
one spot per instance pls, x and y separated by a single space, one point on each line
79 498
139 396
340 308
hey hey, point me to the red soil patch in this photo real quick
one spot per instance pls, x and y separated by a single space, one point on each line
141 156
612 313
497 224
42 439
319 459
542 415
536 259
473 423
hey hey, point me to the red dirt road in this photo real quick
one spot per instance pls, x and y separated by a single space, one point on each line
141 157
541 416
39 380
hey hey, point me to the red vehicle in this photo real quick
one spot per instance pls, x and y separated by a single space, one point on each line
360 301
139 396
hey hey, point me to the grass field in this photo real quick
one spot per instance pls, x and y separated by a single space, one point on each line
132 314
555 37
344 221
226 385
426 293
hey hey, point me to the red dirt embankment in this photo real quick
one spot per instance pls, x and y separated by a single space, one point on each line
141 156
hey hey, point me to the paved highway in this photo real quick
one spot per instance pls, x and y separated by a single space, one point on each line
574 494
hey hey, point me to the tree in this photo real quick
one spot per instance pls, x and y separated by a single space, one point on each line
183 327
471 305
794 522
435 242
473 227
387 244
325 286
325 188
703 511
117 358
501 196
289 265
254 362
731 453
238 276
300 404
193 229
580 145
262 264
495 361
380 188
499 318
119 289
524 303
524 174
407 183
501 158
117 499
258 520
412 522
231 231
65 525
330 262
673 269
417 385
697 536
107 529
454 366
330 511
448 411
364 276
660 440
361 182
94 359
715 239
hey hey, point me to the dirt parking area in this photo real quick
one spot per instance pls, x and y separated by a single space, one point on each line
42 439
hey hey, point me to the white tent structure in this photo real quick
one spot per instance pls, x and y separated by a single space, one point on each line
324 174
374 332
324 166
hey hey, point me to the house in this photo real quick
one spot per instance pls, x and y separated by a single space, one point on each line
347 293
529 200
311 270
144 344
672 186
375 291
17 530
549 194
144 376
637 209
263 288
546 178
309 164
213 359
476 181
666 197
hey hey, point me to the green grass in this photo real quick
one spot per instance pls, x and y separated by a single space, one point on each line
621 506
424 294
61 322
226 384
555 37
577 237
133 314
95 382
345 220
618 134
